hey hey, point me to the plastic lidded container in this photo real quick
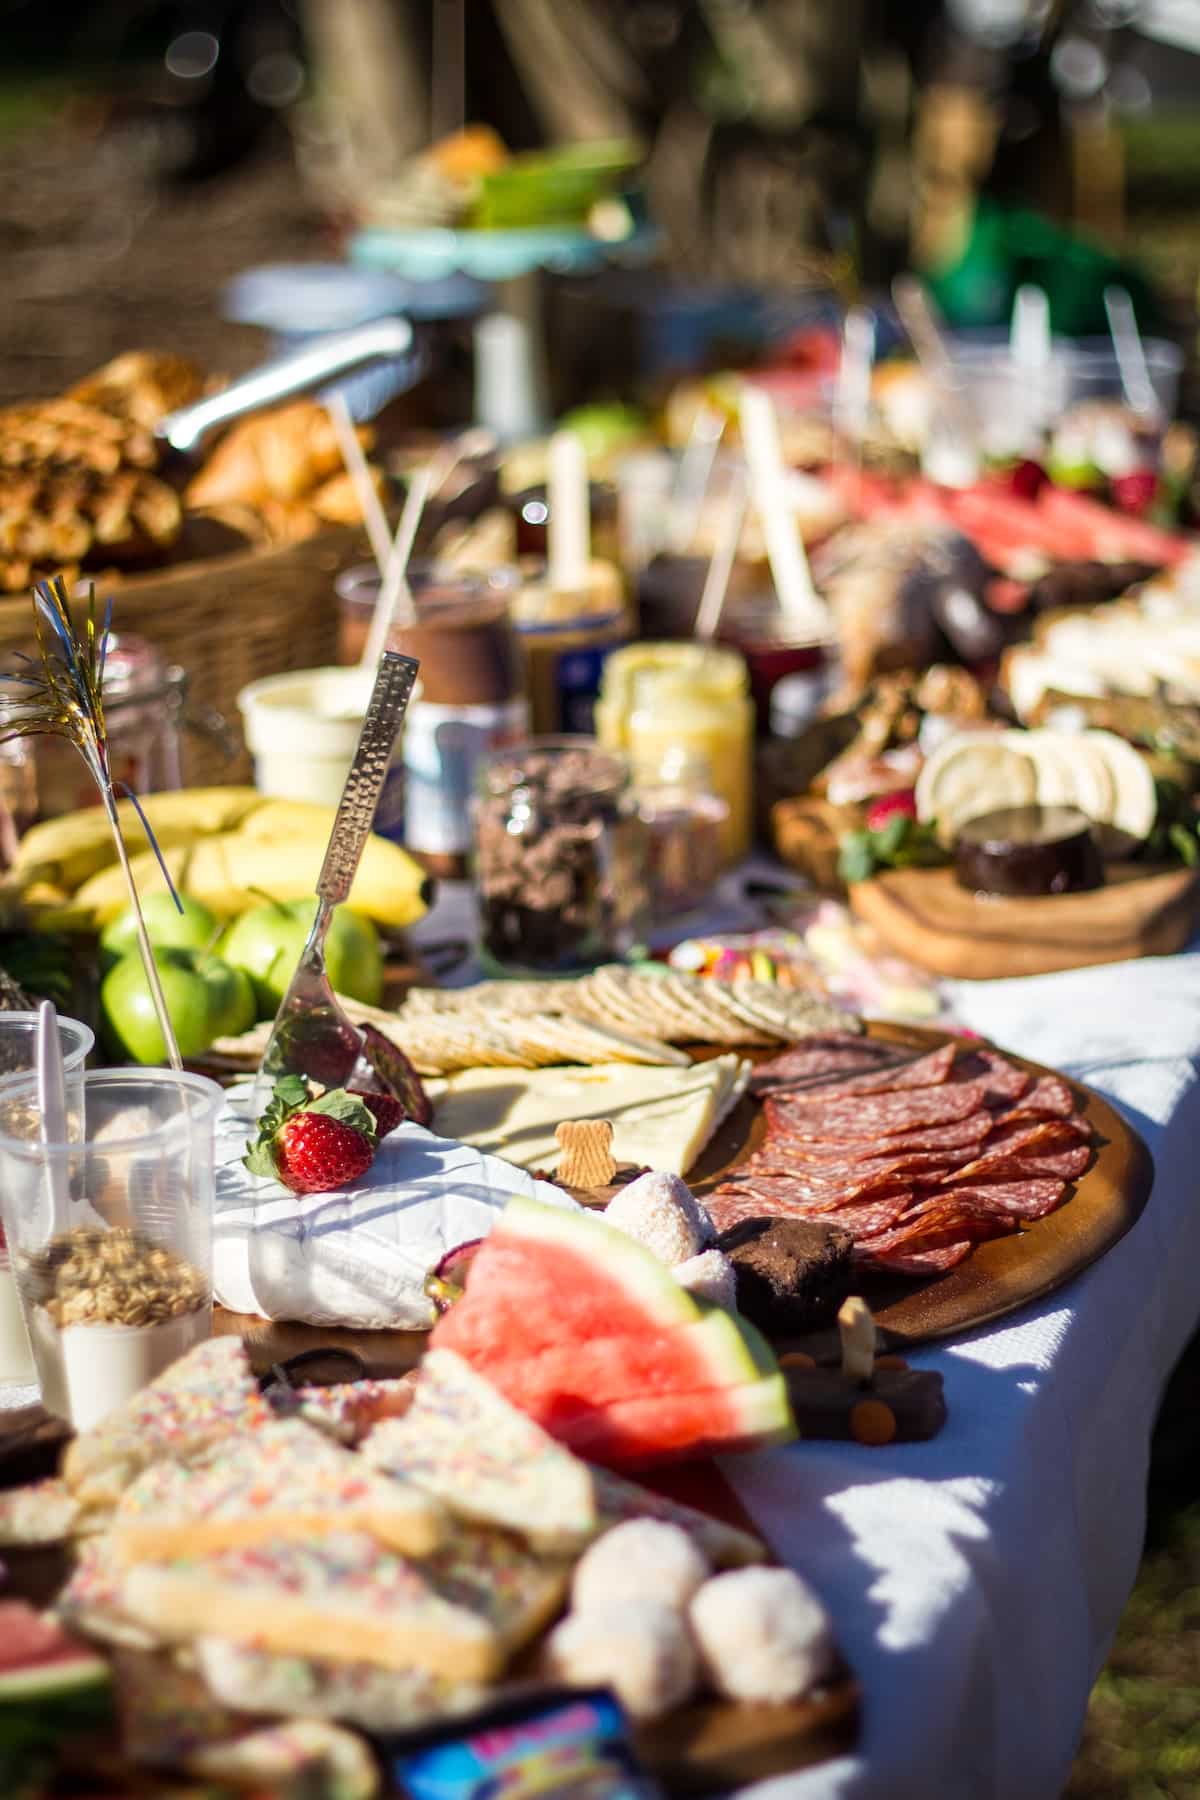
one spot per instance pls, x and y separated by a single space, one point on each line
559 857
110 1236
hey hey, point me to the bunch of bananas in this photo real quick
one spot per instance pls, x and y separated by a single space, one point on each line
224 846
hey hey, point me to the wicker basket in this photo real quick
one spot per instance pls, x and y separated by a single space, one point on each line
226 621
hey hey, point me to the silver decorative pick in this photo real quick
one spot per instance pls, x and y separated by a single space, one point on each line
312 1035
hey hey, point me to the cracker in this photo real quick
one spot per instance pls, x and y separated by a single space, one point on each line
712 1022
584 1041
587 1159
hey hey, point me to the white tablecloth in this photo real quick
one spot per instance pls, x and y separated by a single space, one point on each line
976 1580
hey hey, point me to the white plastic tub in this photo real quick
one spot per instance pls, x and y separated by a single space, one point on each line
302 728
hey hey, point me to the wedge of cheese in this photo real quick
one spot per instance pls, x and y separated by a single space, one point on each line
661 1118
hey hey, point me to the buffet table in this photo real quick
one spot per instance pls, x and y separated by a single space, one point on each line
976 1580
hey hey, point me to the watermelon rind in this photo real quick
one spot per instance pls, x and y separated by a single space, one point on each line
55 1676
753 1416
646 1280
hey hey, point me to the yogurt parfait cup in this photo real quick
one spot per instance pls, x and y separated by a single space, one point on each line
110 1237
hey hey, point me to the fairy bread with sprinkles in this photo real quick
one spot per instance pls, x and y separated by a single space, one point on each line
206 1395
281 1481
361 1603
463 1442
256 1681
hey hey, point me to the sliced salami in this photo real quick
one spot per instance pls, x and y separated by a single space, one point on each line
1046 1147
1050 1097
885 1114
822 1058
1019 1199
926 1072
919 1262
1002 1080
961 1134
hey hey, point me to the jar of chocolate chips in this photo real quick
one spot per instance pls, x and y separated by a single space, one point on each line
560 861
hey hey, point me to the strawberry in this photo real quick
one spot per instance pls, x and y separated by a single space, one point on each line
313 1146
887 806
1026 479
1136 492
385 1109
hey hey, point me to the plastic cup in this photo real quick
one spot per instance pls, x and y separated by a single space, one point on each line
110 1236
19 1114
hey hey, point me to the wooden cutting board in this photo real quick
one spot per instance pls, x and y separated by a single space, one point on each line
925 916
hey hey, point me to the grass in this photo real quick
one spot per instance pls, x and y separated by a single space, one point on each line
1142 1737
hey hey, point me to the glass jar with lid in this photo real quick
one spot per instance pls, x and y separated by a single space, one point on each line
559 857
659 698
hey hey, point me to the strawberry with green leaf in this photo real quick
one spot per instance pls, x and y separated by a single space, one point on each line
313 1146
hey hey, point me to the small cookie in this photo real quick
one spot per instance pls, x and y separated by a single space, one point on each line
587 1159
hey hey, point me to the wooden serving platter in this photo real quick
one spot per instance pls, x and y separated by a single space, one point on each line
924 915
1006 1273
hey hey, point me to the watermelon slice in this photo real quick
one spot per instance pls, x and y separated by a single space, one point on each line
548 1277
53 1692
601 1370
588 1333
633 1434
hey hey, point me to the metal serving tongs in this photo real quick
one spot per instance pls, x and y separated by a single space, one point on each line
312 1035
181 433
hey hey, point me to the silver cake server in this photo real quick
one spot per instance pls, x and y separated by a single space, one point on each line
312 1035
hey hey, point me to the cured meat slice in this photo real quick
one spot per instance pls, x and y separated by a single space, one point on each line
875 1215
1047 1147
961 1134
1002 1080
926 1071
1050 1097
1022 1199
884 1114
820 1059
919 1262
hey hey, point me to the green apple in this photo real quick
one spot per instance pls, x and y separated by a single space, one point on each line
195 928
205 997
266 942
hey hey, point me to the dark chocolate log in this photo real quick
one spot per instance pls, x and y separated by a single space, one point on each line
1027 851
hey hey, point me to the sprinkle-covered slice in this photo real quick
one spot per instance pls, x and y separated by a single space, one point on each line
360 1603
463 1442
282 1481
203 1397
44 1512
256 1681
348 1410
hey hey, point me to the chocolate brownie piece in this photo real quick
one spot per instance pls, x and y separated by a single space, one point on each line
792 1274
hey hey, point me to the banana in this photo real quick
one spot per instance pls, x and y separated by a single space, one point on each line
66 852
100 900
231 872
